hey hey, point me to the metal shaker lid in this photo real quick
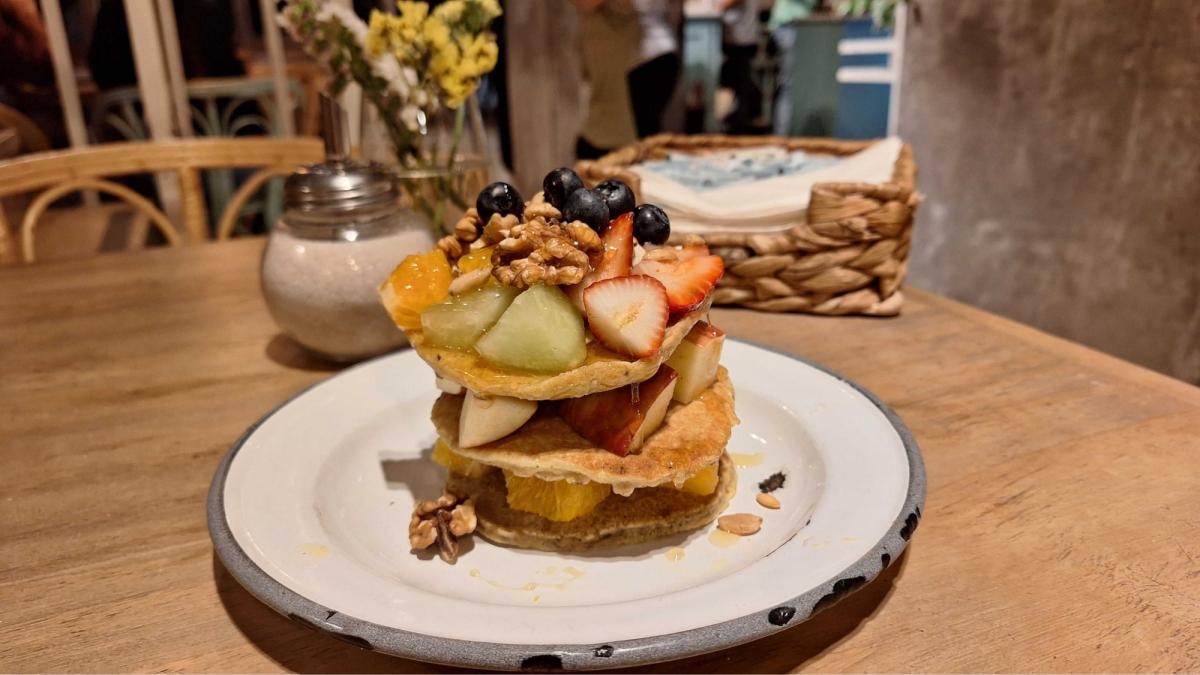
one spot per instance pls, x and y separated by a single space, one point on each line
338 185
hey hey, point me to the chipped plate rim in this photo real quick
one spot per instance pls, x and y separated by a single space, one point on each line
618 654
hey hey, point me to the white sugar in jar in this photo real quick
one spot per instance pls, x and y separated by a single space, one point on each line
341 235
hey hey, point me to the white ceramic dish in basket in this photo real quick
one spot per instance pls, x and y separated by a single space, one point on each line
310 508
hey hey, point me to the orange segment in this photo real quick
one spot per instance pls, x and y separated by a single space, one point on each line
703 483
417 282
456 463
555 500
476 260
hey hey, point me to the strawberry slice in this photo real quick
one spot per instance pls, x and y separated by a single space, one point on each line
628 314
692 251
687 281
614 261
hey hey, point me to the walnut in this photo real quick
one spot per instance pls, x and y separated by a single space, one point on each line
498 227
538 207
442 521
464 238
451 246
467 227
585 237
542 252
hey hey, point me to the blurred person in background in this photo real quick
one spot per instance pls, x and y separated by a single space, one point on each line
739 44
630 53
24 49
652 81
783 32
206 33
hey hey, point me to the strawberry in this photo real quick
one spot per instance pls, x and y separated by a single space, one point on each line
692 251
628 314
617 257
687 281
614 261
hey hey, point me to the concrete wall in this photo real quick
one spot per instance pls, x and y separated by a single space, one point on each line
1059 149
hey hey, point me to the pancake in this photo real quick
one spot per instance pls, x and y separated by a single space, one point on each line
602 370
691 437
649 514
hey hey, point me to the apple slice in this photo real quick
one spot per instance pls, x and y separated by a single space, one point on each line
696 359
447 385
619 420
484 420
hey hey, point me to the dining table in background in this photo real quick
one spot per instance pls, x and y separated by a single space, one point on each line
1061 530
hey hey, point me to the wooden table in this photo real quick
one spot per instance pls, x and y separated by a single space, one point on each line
1062 528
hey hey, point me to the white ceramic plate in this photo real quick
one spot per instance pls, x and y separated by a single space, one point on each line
310 510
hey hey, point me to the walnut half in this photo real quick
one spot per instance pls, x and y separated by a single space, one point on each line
544 252
442 522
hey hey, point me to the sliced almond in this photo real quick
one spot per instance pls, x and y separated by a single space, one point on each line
741 524
767 501
470 281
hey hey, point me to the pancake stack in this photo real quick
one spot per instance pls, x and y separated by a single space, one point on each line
583 405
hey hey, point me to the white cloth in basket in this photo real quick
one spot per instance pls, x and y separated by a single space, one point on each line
765 204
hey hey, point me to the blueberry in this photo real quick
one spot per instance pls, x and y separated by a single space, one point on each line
588 206
560 184
618 196
499 198
651 225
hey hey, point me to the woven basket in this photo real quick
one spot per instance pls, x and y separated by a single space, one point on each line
849 257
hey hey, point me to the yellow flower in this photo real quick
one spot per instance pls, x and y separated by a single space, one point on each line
450 11
491 8
412 13
436 32
377 39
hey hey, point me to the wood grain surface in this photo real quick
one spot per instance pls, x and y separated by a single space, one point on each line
1061 531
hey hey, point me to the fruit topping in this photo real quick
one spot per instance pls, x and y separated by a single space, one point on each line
560 184
479 259
619 420
541 331
628 314
651 225
456 463
696 360
417 282
499 197
691 251
615 259
554 500
617 196
688 281
587 206
487 419
459 321
703 483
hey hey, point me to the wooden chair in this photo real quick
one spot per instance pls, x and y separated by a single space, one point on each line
29 134
59 173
